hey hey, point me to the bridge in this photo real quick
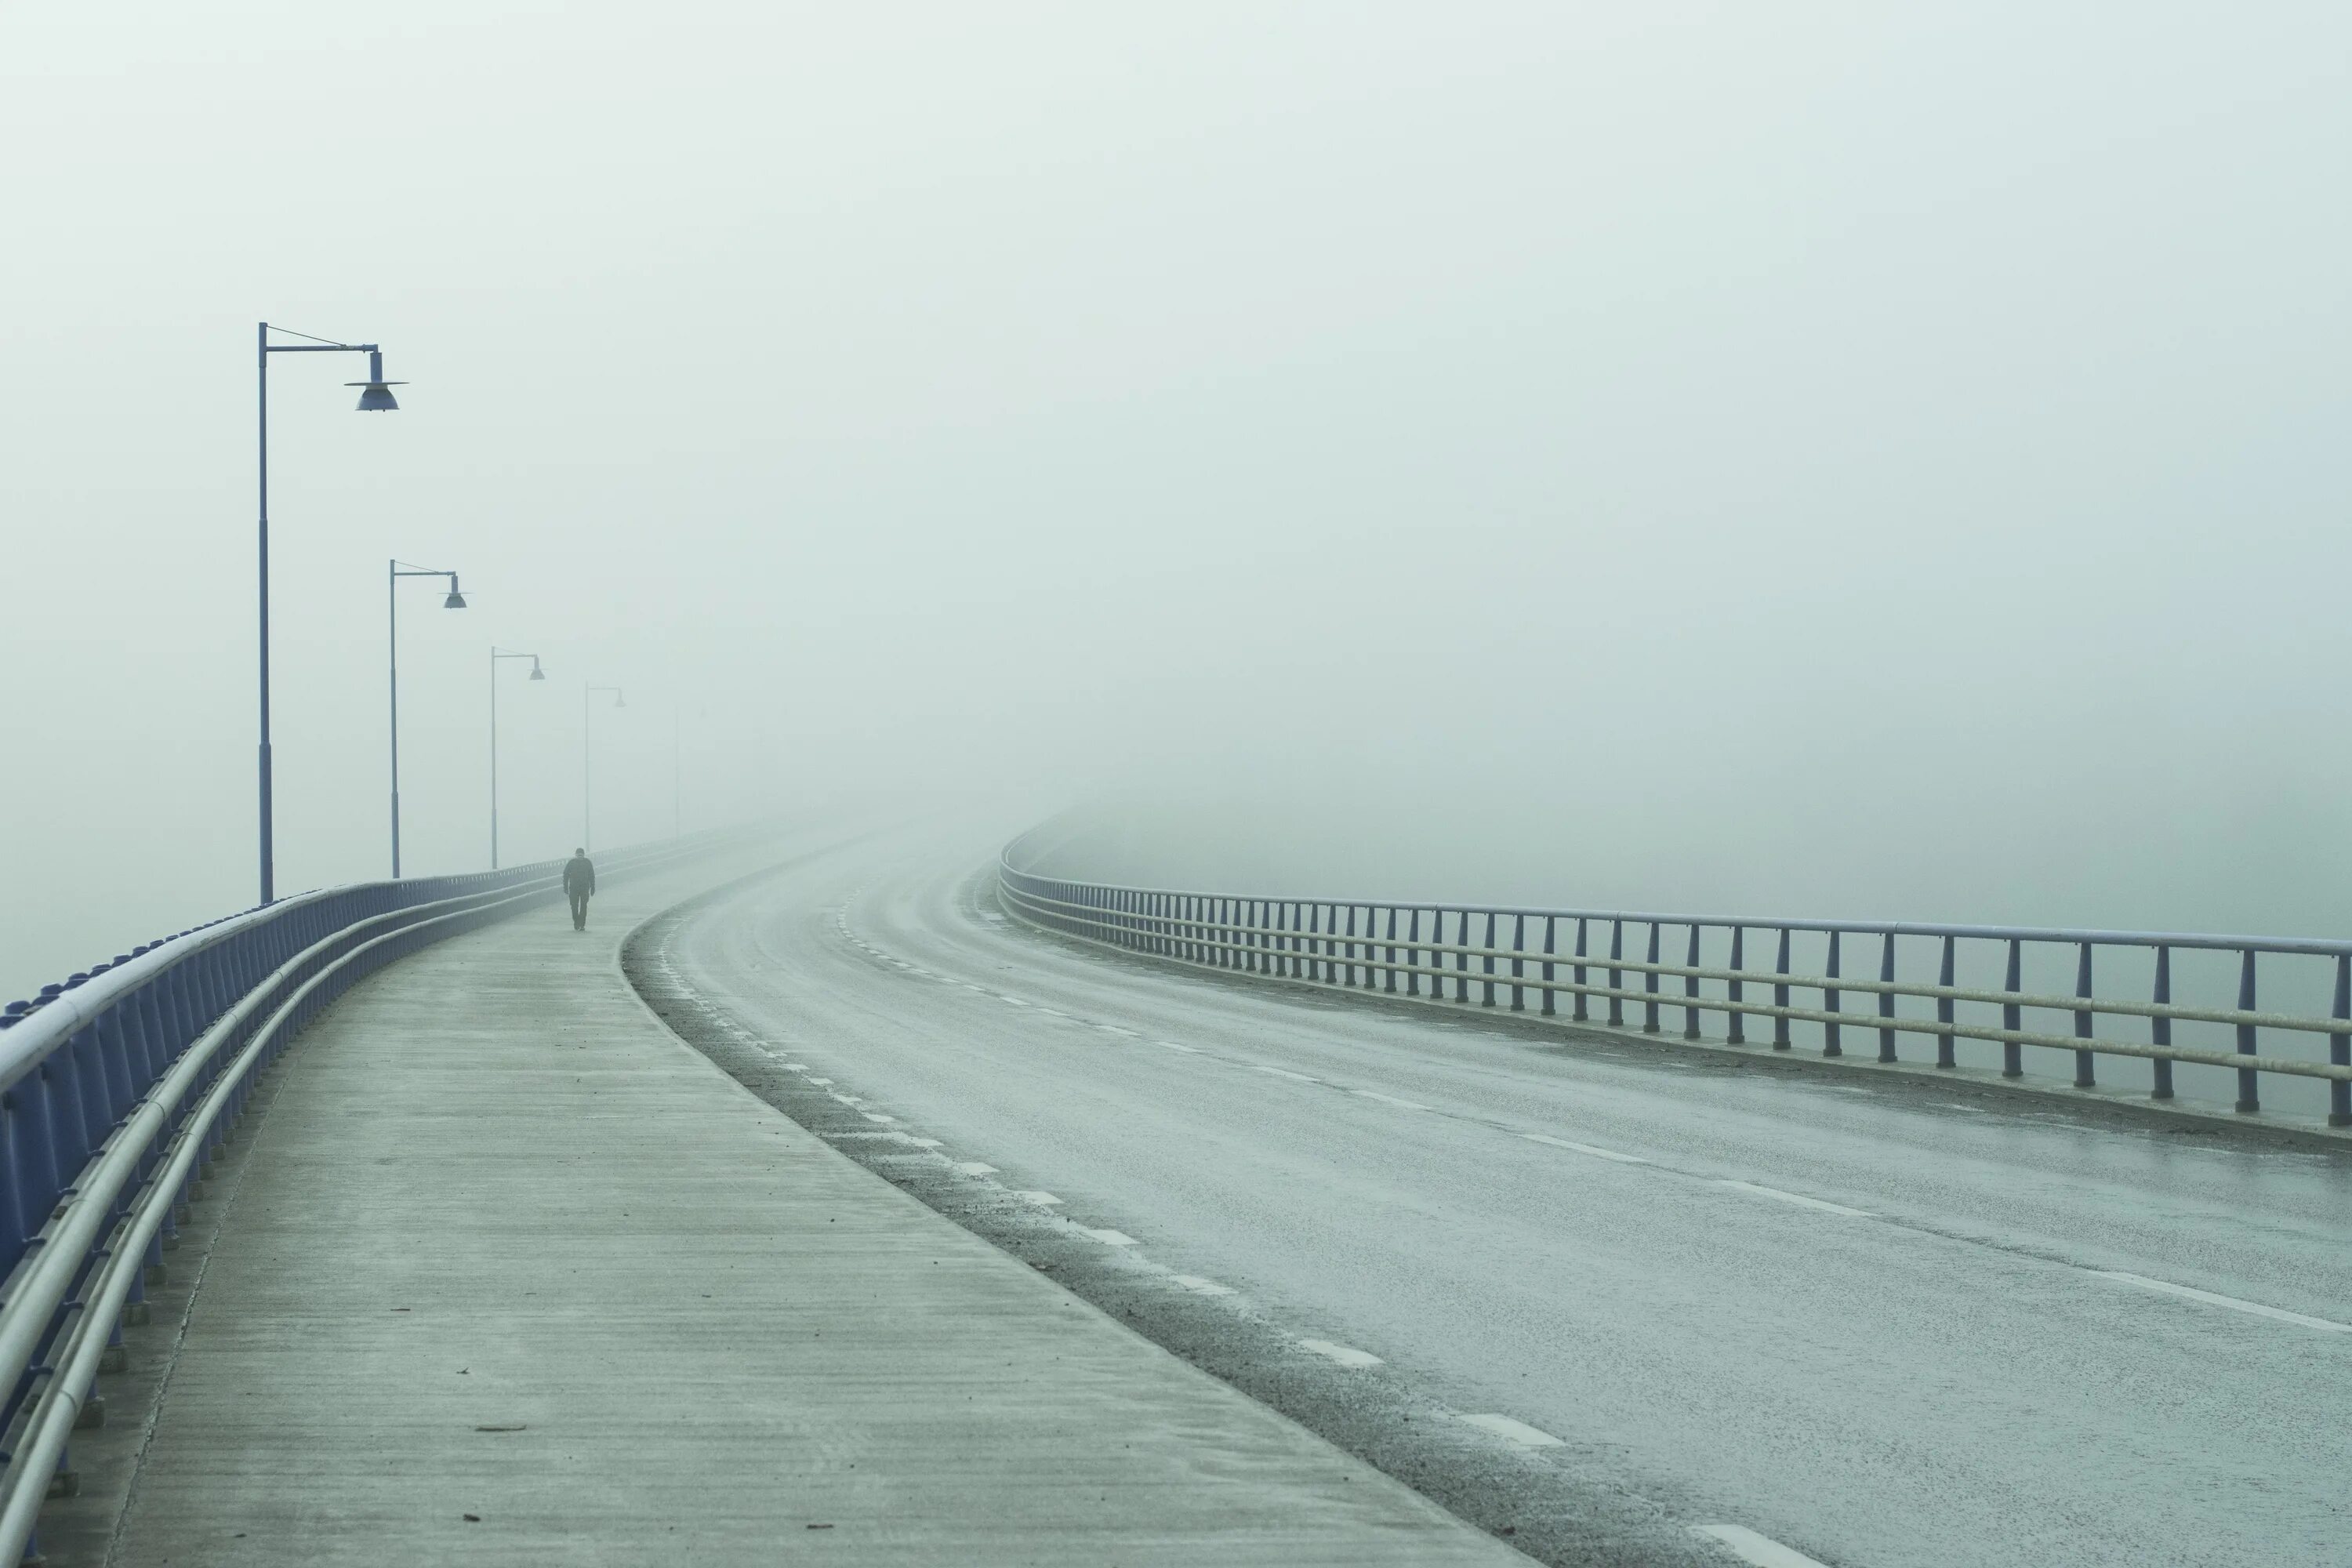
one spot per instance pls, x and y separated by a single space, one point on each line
903 1196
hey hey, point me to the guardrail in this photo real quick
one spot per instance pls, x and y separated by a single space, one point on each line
118 1088
1949 984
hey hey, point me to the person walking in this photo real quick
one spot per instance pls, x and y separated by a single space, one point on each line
578 886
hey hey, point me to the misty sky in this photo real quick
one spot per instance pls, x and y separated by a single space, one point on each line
1829 458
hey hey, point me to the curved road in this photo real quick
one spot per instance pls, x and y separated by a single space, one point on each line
1876 1325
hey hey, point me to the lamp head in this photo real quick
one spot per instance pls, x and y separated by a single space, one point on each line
619 700
536 673
456 601
376 396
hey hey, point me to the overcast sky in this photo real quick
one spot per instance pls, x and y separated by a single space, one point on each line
1765 458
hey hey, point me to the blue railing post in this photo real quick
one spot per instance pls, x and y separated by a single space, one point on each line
1944 1056
1412 951
2159 1028
1616 975
1518 962
2249 1098
1580 1014
1650 987
1736 1032
1552 942
1462 958
1830 1046
2012 1016
2339 1046
1690 986
1886 1000
1780 993
1390 986
2083 1076
1487 1000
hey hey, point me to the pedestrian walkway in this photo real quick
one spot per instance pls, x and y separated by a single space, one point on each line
511 1275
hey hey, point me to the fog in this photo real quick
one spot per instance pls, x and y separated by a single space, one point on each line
1839 459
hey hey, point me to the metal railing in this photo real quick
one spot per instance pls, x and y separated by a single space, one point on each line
120 1086
1957 986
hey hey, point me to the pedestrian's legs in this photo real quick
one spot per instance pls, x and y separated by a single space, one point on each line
578 911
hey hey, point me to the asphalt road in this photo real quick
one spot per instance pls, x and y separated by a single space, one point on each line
1877 1324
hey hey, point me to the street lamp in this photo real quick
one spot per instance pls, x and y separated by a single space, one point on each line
587 816
375 397
393 572
536 674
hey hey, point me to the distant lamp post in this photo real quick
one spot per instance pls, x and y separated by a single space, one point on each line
587 761
375 398
497 654
393 572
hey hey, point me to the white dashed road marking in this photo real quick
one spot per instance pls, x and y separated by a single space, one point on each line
1172 1046
974 1168
1762 1551
1595 1150
1108 1237
878 1116
2234 1304
1346 1355
1282 1072
1199 1287
1797 1198
1046 1199
1388 1099
1519 1432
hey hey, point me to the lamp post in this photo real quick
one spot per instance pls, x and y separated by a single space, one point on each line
375 398
393 572
536 674
587 757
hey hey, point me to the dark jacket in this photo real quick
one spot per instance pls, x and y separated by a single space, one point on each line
579 877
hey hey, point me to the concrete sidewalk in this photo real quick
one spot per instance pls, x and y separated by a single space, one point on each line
513 1275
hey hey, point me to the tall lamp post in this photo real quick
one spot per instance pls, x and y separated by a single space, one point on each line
536 674
375 398
587 759
393 572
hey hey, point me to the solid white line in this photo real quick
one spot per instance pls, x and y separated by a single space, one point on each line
876 1116
1595 1150
1797 1198
1046 1198
1172 1046
2255 1309
1109 1238
1013 1001
1199 1287
1762 1551
1388 1099
1282 1072
1519 1432
974 1168
1346 1355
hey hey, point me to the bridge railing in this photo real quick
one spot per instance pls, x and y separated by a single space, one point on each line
118 1088
2165 998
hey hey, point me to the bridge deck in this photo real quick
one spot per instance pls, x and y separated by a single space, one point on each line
511 1275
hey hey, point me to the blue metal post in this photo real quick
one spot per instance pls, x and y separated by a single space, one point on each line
2083 1077
1886 999
1690 986
1737 1033
2160 1029
1944 1056
2249 1098
1830 1046
1616 975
